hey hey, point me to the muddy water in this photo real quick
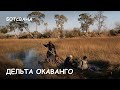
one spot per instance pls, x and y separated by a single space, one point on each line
30 60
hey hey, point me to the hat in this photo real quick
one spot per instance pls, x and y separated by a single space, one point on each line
70 56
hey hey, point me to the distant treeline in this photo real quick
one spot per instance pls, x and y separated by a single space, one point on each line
59 34
85 19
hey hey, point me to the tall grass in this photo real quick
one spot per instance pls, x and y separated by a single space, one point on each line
97 48
94 48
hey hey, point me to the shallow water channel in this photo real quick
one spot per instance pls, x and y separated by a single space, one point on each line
30 60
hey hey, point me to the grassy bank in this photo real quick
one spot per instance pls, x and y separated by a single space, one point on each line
96 49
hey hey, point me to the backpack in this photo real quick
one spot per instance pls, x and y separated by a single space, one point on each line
83 64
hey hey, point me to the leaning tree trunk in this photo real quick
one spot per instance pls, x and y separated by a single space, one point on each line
29 32
16 36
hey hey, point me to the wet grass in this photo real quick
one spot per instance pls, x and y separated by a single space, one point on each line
6 64
102 52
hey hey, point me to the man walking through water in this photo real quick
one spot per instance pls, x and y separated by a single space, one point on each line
51 53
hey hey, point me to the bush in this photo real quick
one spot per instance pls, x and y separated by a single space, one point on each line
113 32
46 34
4 30
55 33
118 31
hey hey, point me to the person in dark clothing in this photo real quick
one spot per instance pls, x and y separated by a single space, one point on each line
51 49
75 62
68 61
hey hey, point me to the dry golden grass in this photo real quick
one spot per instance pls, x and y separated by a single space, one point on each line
95 48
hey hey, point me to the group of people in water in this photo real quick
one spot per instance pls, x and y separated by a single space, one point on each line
69 61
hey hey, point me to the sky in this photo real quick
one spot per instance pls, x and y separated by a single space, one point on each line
112 18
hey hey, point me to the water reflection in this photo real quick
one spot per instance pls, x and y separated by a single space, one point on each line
30 60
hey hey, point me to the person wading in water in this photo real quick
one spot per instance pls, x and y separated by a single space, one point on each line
51 53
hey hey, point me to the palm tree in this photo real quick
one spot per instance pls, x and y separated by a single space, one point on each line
37 17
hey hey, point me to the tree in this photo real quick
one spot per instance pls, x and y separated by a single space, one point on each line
56 33
37 17
4 30
13 25
60 20
47 34
117 26
46 24
86 20
100 18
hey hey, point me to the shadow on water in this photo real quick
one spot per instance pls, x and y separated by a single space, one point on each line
106 70
102 64
30 60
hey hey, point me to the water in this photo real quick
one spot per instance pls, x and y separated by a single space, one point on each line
30 60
